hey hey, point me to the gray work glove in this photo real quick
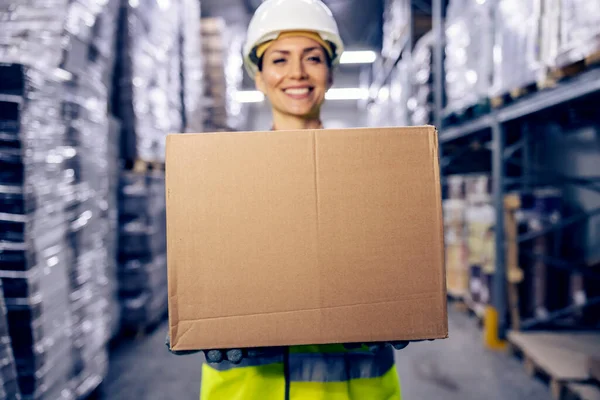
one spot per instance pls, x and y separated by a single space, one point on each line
377 346
235 356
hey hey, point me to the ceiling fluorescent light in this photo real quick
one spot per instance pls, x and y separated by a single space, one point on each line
347 94
249 96
358 57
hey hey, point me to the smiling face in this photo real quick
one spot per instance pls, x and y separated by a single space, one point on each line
295 76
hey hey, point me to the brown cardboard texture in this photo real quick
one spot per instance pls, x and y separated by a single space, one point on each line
304 237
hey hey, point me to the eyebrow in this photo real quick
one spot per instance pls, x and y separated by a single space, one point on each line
307 50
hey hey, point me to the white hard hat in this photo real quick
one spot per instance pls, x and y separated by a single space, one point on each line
273 17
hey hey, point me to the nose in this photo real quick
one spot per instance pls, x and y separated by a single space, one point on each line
297 70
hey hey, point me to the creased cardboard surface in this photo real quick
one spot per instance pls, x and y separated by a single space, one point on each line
304 237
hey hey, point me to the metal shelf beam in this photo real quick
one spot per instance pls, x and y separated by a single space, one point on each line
585 84
469 128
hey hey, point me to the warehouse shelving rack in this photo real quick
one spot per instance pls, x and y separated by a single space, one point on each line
419 14
514 121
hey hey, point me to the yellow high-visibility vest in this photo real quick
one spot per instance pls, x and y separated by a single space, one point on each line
327 372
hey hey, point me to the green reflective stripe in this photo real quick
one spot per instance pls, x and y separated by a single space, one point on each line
247 362
339 367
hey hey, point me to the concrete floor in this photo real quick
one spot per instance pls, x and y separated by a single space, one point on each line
455 369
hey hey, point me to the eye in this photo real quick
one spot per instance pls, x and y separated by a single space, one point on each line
315 59
278 60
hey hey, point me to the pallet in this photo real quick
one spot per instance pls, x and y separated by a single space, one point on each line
468 114
144 166
558 358
457 300
581 391
593 365
95 393
555 75
513 95
476 311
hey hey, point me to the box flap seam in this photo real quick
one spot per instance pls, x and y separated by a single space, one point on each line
420 296
318 216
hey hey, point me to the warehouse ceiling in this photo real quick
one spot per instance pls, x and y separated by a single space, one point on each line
359 20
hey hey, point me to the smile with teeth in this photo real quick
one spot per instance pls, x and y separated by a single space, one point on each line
297 91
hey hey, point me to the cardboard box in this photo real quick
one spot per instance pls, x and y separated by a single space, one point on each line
304 237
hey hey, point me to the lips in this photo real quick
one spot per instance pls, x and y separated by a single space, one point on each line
298 92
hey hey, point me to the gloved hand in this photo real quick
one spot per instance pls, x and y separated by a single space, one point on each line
377 346
235 356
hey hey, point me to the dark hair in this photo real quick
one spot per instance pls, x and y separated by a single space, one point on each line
328 60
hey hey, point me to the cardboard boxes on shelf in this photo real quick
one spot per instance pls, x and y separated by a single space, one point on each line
304 237
455 238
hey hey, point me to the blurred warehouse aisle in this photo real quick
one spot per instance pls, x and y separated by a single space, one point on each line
455 369
90 89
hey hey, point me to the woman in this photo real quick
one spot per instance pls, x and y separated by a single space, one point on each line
292 49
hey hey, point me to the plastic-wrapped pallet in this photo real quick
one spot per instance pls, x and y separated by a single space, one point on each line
58 306
149 52
67 35
112 215
421 104
34 254
396 20
90 286
9 383
469 46
223 75
579 30
142 251
192 66
516 45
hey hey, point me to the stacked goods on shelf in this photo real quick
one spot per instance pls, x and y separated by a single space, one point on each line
221 49
469 45
142 252
379 111
457 278
533 38
34 253
421 104
9 383
399 94
149 81
396 23
516 46
58 300
543 289
480 221
192 67
578 30
389 107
